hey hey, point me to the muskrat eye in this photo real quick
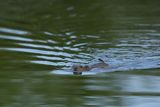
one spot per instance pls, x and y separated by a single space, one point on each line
75 68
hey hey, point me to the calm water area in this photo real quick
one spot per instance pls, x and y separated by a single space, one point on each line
40 40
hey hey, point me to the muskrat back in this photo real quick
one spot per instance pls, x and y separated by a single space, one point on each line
101 64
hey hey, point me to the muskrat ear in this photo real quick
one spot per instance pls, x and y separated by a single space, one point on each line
101 60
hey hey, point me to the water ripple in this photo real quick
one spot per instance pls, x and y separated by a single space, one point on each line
51 63
14 31
62 59
37 51
134 51
16 38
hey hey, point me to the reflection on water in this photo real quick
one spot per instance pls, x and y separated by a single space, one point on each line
38 43
112 89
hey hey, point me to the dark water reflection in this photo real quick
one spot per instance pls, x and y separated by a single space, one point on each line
36 43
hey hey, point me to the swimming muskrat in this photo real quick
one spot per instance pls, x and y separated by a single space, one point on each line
78 69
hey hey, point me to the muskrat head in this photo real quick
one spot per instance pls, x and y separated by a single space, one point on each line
78 69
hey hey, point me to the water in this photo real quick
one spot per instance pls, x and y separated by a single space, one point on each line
41 40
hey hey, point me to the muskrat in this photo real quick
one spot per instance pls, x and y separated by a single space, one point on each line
78 69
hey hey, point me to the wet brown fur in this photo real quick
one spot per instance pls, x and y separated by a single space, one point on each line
78 69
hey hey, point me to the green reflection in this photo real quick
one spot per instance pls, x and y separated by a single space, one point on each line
60 33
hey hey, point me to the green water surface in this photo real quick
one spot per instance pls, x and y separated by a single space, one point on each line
39 37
